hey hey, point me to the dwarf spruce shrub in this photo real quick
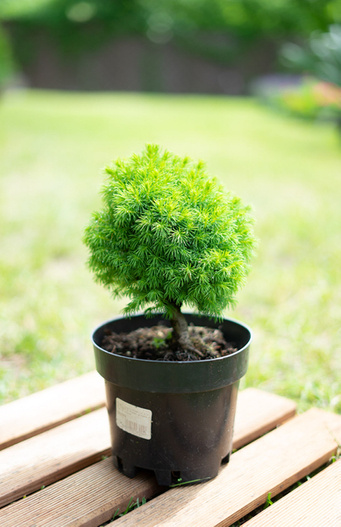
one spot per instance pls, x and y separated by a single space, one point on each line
169 235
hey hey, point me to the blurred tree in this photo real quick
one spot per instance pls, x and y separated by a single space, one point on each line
7 66
223 31
320 56
164 20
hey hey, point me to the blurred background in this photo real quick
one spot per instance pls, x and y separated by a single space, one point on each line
252 87
172 46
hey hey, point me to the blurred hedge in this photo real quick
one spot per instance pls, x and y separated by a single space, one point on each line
7 65
81 25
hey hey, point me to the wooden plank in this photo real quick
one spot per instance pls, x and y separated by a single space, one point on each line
316 503
85 499
43 459
48 408
78 443
252 403
270 464
21 476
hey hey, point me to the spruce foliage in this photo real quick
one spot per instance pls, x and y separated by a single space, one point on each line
169 235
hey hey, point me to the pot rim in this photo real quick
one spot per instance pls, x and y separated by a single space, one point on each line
173 376
141 314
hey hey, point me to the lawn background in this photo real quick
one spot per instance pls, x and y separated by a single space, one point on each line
53 147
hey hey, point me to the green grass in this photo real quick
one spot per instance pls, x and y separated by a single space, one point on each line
52 149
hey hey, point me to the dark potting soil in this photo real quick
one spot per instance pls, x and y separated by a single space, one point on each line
155 343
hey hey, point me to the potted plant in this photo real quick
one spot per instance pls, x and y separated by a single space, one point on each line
168 236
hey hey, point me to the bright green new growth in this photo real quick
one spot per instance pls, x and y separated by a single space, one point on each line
169 235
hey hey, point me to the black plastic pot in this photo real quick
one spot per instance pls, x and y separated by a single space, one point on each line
175 418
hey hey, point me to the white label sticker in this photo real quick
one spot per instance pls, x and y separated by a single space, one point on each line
134 420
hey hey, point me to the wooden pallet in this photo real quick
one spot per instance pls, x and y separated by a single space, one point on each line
56 471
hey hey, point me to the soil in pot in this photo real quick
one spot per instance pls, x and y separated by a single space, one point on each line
155 343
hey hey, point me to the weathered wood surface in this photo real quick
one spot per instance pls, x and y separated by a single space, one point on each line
269 464
55 454
61 459
43 459
254 405
87 498
43 410
315 503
